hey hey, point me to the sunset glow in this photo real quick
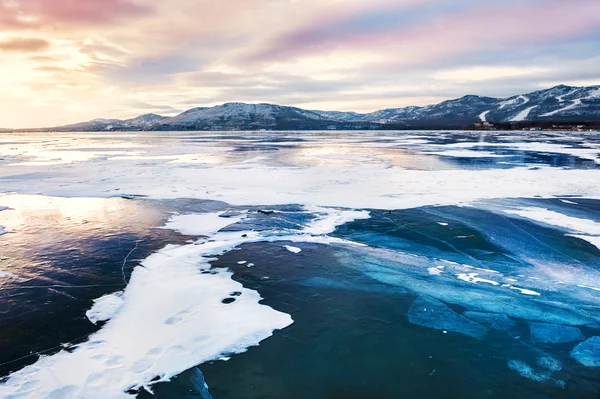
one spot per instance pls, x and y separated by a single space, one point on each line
66 61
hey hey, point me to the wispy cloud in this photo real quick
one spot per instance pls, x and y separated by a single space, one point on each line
69 60
23 44
26 14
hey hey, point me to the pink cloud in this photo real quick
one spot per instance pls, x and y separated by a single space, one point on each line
23 45
39 13
449 34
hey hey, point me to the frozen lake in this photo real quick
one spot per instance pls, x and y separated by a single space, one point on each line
300 264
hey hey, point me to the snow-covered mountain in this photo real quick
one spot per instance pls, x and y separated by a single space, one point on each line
560 103
244 117
142 122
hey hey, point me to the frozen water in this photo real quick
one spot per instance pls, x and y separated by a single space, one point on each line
105 307
546 366
4 274
292 249
428 312
196 165
557 219
200 385
496 321
554 333
588 352
498 268
350 285
171 318
527 371
201 224
195 314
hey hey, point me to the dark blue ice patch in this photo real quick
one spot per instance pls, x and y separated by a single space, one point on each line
496 321
588 352
428 312
322 282
199 384
554 333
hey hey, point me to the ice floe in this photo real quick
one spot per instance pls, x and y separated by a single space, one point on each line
588 352
554 333
200 224
292 249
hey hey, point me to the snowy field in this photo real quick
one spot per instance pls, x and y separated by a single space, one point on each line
481 247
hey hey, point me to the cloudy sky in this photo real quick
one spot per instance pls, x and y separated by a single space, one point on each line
65 61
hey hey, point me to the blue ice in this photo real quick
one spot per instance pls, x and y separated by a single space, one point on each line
429 312
496 321
199 383
323 282
554 333
588 352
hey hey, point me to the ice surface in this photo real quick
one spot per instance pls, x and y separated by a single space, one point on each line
175 313
496 321
199 383
325 223
323 282
591 151
374 182
2 231
558 219
546 366
526 371
200 224
295 250
476 297
172 318
523 291
167 296
4 274
554 333
594 240
466 154
472 278
428 312
105 307
588 352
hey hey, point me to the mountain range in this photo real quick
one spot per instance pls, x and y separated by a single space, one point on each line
557 104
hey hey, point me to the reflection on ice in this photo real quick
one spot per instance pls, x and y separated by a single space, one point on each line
457 241
194 313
